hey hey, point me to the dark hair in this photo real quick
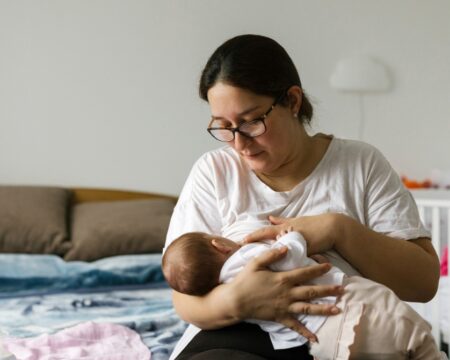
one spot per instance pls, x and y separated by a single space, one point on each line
256 63
190 264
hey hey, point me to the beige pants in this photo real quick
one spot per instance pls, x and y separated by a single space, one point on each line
374 324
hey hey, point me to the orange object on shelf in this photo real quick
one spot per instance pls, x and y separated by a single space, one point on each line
414 184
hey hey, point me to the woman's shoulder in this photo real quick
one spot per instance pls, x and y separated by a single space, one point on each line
350 158
352 151
366 160
355 146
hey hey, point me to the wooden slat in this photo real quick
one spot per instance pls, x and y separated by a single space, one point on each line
82 195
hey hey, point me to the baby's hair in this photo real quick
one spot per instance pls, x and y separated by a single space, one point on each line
191 265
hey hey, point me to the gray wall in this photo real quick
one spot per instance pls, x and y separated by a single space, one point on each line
104 92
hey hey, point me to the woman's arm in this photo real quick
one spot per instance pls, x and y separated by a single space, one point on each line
258 293
212 311
409 268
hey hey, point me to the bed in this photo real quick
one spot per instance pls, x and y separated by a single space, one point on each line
46 293
434 210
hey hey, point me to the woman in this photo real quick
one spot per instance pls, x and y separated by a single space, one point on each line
342 195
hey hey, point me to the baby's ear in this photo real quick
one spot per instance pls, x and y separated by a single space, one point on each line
221 247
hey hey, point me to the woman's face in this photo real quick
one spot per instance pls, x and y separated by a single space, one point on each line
267 153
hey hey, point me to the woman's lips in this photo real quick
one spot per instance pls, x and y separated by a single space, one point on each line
252 155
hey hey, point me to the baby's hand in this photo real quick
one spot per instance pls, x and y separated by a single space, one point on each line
285 231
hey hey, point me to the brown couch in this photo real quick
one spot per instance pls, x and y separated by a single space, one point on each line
82 224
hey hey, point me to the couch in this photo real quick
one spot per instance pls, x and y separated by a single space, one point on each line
82 224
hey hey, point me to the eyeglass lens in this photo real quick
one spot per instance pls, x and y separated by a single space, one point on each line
250 129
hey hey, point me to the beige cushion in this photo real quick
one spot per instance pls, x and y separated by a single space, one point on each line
33 219
101 229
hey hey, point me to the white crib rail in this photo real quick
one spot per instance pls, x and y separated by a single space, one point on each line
434 213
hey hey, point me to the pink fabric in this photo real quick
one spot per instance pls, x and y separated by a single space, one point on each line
87 341
444 263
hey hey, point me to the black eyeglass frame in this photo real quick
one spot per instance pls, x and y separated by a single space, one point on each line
236 129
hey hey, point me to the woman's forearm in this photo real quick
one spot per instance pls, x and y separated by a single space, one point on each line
409 268
212 311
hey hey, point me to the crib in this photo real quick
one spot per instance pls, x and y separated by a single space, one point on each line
434 210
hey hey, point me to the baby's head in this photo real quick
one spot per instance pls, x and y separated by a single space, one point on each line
192 263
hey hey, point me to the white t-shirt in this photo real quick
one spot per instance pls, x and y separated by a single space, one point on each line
281 336
223 196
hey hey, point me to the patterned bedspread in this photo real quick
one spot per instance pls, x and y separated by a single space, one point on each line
144 306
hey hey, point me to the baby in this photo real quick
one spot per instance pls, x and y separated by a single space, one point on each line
373 323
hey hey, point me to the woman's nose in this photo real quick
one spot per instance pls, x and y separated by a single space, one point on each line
240 141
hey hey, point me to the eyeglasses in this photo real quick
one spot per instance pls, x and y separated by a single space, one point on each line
250 129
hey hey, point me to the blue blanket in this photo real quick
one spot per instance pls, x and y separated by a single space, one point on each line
21 273
43 294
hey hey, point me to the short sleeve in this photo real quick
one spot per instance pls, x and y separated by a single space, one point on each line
390 207
196 209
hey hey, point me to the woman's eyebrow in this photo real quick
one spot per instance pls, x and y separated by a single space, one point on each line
245 112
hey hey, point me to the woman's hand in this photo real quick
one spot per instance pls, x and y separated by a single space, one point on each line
259 293
284 232
320 231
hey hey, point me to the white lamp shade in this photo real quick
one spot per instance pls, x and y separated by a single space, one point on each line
360 74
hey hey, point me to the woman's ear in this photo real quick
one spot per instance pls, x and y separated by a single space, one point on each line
295 96
221 247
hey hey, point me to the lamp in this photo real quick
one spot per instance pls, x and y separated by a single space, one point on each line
360 74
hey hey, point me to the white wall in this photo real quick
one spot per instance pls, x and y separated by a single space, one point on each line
104 92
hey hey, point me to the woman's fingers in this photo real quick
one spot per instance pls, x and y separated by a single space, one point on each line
321 259
298 327
267 258
301 307
275 220
269 232
305 274
280 225
281 296
310 292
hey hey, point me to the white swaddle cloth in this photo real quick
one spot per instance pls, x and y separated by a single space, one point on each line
281 336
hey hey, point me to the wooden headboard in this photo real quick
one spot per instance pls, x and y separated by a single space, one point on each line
82 195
